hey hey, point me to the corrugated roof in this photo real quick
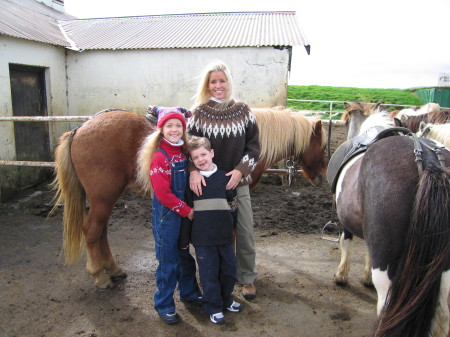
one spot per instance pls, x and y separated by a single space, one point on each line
198 30
32 20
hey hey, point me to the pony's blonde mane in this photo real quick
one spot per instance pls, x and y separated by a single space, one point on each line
366 109
276 127
438 132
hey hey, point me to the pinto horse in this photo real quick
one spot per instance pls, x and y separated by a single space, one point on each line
401 208
106 154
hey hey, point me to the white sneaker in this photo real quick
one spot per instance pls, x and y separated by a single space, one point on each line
235 307
217 318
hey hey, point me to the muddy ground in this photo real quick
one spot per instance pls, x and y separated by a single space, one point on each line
39 296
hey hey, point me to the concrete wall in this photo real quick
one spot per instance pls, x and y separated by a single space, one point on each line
133 79
83 83
52 58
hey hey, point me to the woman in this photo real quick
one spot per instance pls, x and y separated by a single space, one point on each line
232 130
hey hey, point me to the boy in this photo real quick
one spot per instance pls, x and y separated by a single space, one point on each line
212 233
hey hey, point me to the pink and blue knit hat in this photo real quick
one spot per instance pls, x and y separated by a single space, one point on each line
166 113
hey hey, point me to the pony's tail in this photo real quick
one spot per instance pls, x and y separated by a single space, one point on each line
413 297
70 192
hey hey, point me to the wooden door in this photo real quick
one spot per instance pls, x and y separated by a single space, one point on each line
29 99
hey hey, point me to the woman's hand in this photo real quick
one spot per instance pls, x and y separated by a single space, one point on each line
196 180
236 177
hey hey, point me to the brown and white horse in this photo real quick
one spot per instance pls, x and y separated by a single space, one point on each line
105 155
404 217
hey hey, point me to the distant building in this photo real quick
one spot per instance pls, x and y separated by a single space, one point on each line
444 80
54 64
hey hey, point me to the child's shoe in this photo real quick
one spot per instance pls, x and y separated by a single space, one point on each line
171 318
235 307
198 301
217 318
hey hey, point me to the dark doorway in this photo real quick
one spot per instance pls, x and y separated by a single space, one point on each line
29 98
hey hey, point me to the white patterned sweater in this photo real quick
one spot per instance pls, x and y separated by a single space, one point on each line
233 134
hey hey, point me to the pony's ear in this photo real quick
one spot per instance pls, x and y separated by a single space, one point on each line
422 126
403 118
397 122
318 127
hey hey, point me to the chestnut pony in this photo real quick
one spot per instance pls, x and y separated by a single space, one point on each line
401 208
107 154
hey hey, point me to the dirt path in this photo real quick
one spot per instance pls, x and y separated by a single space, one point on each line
39 296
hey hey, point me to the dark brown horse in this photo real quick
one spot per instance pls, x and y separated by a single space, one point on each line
403 214
100 159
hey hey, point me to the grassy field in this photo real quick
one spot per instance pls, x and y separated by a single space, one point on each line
346 94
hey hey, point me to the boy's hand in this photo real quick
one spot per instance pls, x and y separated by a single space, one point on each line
191 215
196 180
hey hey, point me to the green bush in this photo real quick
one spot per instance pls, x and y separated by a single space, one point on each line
347 94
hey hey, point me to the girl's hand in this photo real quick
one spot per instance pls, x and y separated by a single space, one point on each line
196 180
191 214
236 177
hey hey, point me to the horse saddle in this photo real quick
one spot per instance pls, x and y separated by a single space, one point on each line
359 144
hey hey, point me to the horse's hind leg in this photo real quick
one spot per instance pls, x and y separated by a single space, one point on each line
367 275
382 284
441 319
94 228
341 276
109 264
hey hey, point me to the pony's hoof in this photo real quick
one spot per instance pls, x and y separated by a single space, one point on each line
108 287
119 275
104 284
340 282
367 284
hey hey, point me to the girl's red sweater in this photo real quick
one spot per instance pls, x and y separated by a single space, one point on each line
160 176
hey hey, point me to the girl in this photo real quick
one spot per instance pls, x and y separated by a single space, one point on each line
168 177
234 135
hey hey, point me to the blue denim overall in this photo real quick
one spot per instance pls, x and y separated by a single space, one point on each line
175 265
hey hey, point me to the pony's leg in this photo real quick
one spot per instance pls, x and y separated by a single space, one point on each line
109 264
441 319
382 284
341 276
367 275
95 222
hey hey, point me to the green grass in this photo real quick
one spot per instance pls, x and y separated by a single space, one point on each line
346 94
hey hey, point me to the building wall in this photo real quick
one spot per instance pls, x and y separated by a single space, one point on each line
134 79
83 83
52 58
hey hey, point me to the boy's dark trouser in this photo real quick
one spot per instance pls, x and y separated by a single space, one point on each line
217 269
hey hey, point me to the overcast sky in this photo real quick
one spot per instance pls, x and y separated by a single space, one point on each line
354 43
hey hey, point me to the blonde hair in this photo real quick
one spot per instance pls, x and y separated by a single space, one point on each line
145 157
195 143
203 94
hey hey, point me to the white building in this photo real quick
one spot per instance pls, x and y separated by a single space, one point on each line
53 64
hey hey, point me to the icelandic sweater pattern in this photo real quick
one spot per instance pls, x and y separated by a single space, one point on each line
233 133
